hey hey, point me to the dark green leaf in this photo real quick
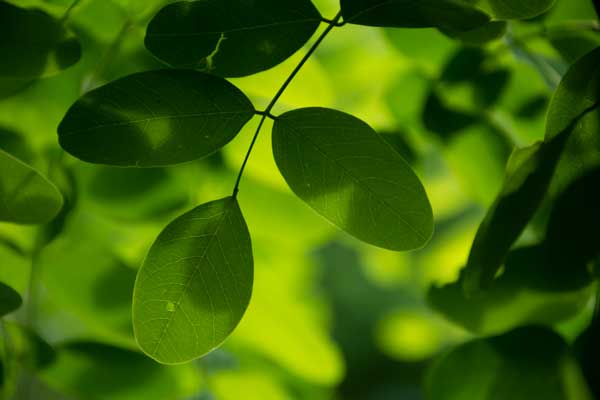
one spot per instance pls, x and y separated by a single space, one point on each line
573 43
515 9
572 237
447 14
481 35
26 197
32 44
351 176
229 37
587 349
524 364
529 291
154 118
10 300
195 284
570 150
97 371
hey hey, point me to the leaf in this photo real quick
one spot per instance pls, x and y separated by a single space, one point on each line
480 35
530 291
570 150
96 371
26 197
10 300
154 118
587 350
32 45
571 43
527 363
195 284
347 173
446 14
517 9
216 35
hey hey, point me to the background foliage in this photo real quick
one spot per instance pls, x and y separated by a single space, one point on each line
490 106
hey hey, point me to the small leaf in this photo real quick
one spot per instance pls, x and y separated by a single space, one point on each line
527 363
345 171
195 285
34 44
229 37
446 14
26 197
10 300
154 118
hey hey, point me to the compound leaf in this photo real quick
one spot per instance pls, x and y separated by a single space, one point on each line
26 197
345 171
10 300
229 37
154 118
195 283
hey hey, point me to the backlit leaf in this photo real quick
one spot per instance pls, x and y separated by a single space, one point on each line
26 197
351 176
154 118
195 283
229 37
515 9
10 300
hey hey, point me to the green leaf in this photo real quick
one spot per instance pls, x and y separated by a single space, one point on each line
345 171
32 44
10 300
447 14
573 43
154 118
96 371
527 363
481 35
26 197
195 284
229 37
530 291
528 175
515 9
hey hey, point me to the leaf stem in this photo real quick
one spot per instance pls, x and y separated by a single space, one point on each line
267 113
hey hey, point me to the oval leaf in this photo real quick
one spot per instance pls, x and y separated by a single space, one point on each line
344 170
447 14
230 37
33 44
195 284
154 118
10 300
26 197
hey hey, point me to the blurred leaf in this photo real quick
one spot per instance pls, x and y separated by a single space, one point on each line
573 43
154 118
32 44
480 35
26 196
215 35
527 363
587 350
529 291
447 14
10 300
248 386
195 284
94 371
515 9
342 168
571 235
